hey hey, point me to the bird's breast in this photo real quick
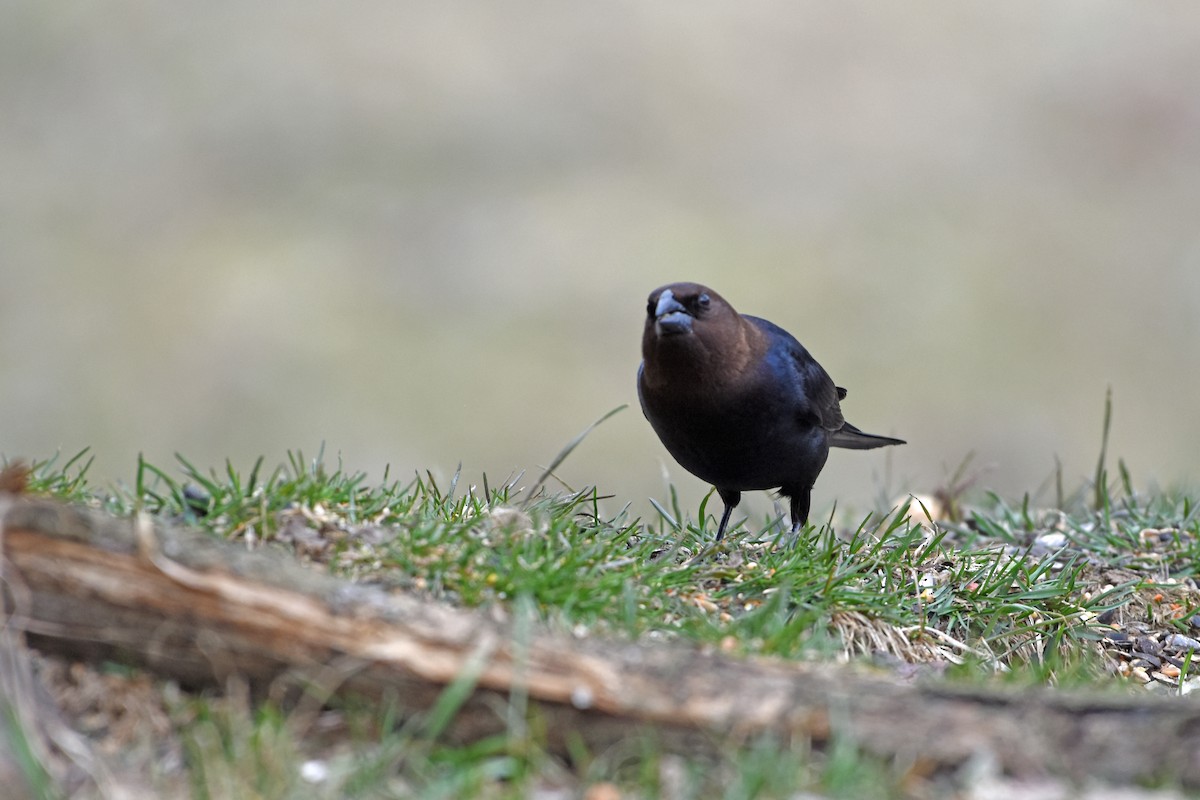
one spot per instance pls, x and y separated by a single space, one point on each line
747 439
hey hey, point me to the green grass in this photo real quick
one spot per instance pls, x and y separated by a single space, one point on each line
1010 592
234 751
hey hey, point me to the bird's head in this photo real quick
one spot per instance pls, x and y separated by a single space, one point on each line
687 322
681 309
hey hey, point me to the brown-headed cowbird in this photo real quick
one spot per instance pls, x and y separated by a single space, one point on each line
738 401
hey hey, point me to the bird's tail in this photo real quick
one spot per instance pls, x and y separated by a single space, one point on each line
852 438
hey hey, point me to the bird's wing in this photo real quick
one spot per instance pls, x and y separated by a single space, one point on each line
641 398
817 394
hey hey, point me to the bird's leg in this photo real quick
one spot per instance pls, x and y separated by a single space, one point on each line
801 500
730 498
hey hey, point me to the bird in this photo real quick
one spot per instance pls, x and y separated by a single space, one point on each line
738 401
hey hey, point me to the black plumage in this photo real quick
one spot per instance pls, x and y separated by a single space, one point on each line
737 401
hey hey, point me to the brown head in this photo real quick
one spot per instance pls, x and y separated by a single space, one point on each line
691 330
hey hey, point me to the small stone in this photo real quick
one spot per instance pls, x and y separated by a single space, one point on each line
1052 541
582 697
923 509
314 771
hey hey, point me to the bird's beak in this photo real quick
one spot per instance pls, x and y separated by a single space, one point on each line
670 317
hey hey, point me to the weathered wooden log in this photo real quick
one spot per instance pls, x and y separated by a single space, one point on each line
199 609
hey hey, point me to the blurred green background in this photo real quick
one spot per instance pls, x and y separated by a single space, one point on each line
423 233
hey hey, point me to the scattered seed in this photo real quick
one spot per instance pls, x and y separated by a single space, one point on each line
1181 642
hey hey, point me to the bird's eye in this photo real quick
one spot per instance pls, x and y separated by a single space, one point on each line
650 307
703 301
